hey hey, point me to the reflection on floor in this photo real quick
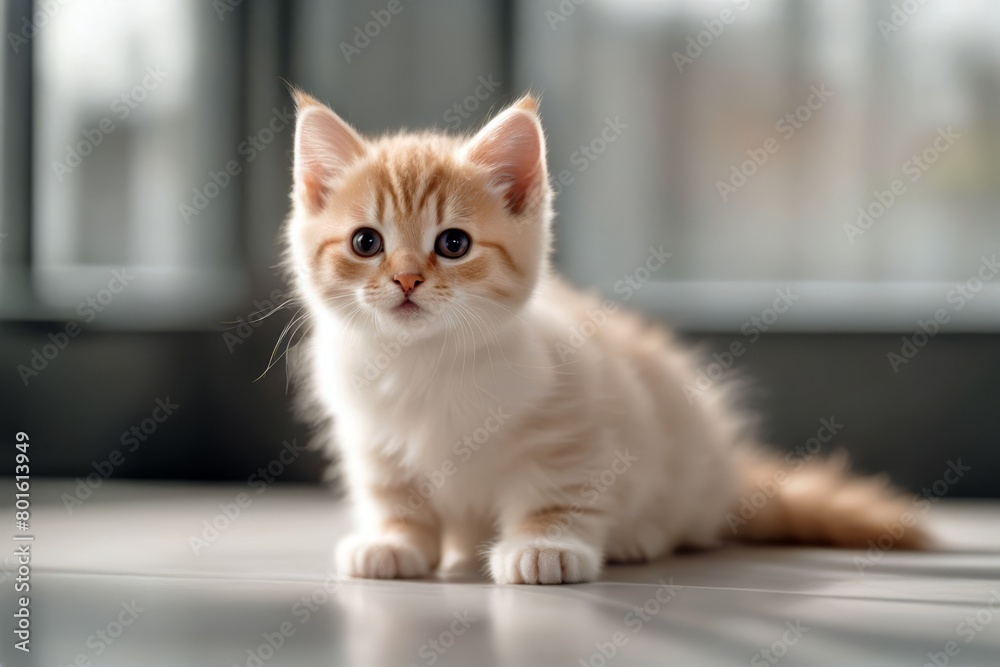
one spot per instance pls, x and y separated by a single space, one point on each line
167 574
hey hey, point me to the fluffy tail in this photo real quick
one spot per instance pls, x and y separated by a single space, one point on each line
823 503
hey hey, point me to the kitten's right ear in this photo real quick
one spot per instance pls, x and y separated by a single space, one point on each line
325 145
512 148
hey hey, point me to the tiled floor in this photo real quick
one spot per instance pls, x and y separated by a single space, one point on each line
122 580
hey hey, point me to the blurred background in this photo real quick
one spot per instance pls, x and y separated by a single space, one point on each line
825 176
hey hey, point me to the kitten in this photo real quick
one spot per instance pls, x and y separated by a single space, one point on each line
466 418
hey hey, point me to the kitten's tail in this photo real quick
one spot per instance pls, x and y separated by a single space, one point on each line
822 502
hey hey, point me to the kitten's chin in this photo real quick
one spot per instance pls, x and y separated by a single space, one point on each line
410 319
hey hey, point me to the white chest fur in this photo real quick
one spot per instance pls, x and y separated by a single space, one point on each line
442 409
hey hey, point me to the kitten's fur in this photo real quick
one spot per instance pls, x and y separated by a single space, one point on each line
459 427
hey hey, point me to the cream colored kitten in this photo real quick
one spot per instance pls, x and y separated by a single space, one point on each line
437 351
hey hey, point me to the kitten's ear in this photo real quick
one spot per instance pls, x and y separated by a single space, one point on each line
324 146
512 147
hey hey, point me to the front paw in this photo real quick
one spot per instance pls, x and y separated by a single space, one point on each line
380 557
543 561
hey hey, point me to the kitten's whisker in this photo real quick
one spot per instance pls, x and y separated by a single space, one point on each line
465 348
503 354
494 316
440 354
454 358
253 317
472 335
257 316
273 360
480 389
475 318
351 326
288 370
497 304
291 328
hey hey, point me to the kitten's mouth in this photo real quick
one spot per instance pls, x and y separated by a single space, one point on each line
407 307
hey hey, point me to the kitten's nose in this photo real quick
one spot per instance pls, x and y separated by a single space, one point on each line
407 281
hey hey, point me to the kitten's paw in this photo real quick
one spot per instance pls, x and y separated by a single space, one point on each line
384 557
541 561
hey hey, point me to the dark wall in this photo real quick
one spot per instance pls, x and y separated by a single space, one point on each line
83 405
942 406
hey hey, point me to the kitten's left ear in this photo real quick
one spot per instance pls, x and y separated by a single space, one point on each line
512 147
325 145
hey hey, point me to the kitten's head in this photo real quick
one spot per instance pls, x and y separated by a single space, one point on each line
419 233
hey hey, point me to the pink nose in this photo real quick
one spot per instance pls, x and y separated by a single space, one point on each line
407 281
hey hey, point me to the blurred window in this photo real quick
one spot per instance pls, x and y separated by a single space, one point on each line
847 148
4 219
134 108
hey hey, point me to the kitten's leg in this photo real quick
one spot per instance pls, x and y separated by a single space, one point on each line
638 541
391 544
550 545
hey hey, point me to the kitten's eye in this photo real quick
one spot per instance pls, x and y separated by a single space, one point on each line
367 242
452 243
